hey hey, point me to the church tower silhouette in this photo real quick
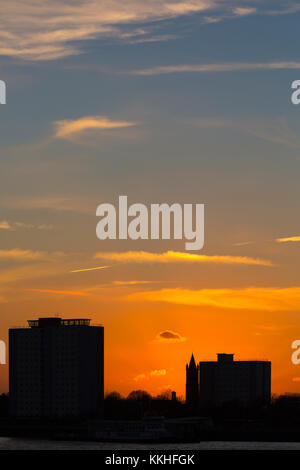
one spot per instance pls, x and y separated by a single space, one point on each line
192 385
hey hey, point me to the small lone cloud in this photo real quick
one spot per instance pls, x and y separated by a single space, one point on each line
169 336
158 372
152 373
139 377
242 243
66 129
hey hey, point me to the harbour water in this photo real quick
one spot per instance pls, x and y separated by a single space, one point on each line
12 443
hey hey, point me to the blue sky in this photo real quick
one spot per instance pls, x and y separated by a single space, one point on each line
182 125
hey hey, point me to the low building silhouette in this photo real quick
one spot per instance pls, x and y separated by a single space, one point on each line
56 369
225 381
212 384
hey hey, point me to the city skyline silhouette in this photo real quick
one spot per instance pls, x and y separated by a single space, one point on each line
141 381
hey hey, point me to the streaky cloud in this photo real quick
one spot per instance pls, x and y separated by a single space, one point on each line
179 257
243 11
133 283
288 239
89 269
250 298
17 254
216 68
60 292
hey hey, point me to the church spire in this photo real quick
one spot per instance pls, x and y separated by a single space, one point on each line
192 361
192 385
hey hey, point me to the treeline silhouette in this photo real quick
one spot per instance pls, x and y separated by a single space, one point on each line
140 403
4 405
283 412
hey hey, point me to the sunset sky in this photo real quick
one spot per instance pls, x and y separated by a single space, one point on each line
162 101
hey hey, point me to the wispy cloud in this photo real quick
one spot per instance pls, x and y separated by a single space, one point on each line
168 337
42 30
217 67
48 265
67 128
4 225
178 257
139 377
242 243
89 269
288 239
264 330
158 38
243 11
62 203
152 373
51 29
133 283
158 372
251 298
277 131
61 292
17 254
27 272
148 375
28 264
